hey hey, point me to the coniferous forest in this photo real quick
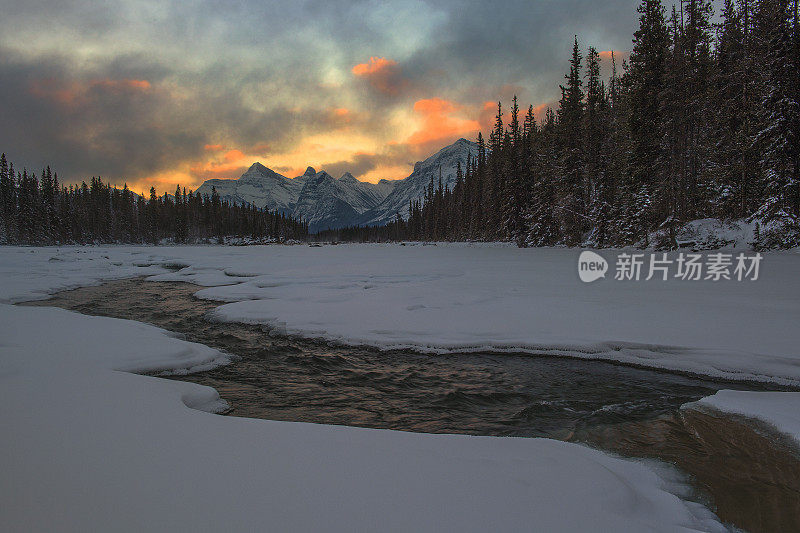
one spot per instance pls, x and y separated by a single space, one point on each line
702 121
37 210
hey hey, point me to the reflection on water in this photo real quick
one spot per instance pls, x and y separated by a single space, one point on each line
481 394
749 478
753 476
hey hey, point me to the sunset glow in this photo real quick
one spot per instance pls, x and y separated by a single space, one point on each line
136 99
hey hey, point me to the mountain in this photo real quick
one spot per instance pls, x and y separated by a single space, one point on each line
316 197
329 203
258 186
413 187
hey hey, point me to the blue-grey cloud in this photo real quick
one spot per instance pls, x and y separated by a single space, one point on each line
256 72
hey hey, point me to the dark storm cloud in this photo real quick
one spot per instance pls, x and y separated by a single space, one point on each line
105 123
360 164
132 88
392 155
520 43
88 129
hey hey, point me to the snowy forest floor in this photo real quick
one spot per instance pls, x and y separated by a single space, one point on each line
86 439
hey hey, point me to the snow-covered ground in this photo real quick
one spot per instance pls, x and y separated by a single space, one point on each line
461 297
781 410
730 234
714 233
88 447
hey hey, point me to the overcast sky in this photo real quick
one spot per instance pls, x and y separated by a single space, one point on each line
164 92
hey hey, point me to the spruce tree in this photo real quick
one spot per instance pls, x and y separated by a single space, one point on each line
779 137
7 202
572 164
597 187
645 83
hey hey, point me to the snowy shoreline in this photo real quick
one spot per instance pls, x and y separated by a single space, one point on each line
95 447
409 481
459 299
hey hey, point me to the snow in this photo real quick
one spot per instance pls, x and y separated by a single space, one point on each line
445 161
463 298
328 203
87 447
713 233
781 410
90 446
259 186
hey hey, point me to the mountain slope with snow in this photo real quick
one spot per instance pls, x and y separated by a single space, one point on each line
413 187
329 203
259 186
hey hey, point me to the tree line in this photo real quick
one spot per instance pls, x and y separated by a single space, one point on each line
38 210
702 121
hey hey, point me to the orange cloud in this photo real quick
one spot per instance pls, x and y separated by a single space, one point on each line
121 85
619 57
55 90
69 93
218 162
234 155
374 66
440 123
339 117
260 148
389 171
486 115
231 164
381 73
292 172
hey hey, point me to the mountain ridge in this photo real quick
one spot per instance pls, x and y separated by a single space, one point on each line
325 202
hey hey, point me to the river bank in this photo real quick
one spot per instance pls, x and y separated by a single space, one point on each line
744 471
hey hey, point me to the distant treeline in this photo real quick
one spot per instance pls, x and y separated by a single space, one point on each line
703 121
37 210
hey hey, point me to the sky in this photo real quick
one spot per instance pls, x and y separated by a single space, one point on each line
166 92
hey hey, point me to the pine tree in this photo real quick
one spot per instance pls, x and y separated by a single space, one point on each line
734 170
779 138
697 47
513 193
645 82
492 180
542 222
598 189
572 165
7 202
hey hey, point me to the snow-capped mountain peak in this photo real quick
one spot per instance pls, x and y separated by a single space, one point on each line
259 186
257 167
326 202
413 187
